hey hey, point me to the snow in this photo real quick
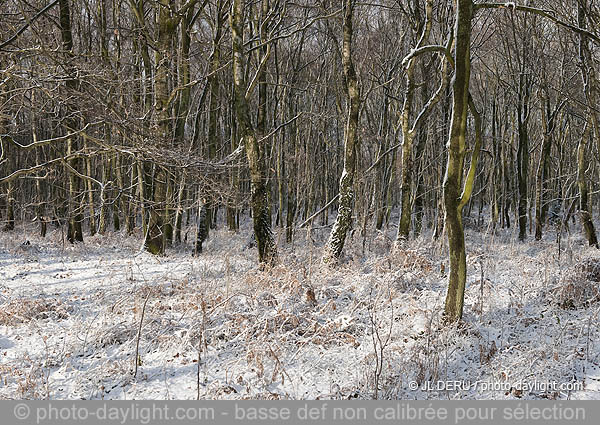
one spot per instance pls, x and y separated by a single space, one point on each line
70 316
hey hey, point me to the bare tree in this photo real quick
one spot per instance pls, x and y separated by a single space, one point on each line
255 152
343 221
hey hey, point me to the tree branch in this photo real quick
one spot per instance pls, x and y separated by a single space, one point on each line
549 14
470 181
28 24
35 168
50 141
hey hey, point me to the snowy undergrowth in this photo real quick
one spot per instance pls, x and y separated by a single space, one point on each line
217 327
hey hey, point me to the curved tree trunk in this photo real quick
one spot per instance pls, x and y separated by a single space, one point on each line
454 170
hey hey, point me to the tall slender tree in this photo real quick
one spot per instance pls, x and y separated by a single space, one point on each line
343 221
255 152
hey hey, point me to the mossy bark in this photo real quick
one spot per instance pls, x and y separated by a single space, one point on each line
454 170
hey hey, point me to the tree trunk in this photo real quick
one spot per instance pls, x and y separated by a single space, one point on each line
543 171
454 170
156 237
74 232
90 192
102 219
202 226
523 152
141 197
589 85
291 178
179 208
10 207
584 208
267 250
116 167
213 106
343 221
41 208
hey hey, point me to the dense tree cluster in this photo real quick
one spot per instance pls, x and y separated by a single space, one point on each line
144 115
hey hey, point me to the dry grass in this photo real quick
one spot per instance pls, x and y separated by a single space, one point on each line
25 310
580 286
298 330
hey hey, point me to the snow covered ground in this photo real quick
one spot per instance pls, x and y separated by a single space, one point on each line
218 327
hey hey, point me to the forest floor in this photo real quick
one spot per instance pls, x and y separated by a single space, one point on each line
217 327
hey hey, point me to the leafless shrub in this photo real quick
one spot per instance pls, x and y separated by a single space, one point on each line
580 286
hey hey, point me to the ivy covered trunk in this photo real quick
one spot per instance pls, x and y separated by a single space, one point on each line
259 202
203 225
75 216
156 235
343 221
